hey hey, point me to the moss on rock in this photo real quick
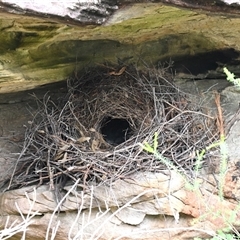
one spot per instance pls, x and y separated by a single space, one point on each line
40 50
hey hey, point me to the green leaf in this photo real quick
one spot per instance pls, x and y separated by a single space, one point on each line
146 146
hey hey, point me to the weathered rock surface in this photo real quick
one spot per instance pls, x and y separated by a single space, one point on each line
36 51
146 206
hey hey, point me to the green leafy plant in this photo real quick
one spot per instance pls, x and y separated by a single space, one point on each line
223 163
167 162
224 234
231 77
221 235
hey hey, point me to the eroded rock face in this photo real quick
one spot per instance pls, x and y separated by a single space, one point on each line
90 12
146 206
36 51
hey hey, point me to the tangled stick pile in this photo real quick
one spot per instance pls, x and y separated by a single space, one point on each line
94 133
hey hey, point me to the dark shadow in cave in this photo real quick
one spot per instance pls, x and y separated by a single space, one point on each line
203 62
115 130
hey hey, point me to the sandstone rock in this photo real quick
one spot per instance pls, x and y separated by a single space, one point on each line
130 216
158 205
36 51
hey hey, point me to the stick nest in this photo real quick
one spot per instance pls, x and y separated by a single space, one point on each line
95 132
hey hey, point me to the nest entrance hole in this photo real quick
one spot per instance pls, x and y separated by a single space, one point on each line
115 130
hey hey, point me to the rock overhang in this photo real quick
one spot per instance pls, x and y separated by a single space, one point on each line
36 51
